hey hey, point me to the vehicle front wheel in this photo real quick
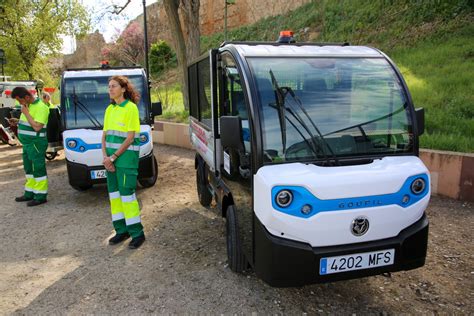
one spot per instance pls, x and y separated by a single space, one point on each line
50 156
205 197
235 256
82 187
149 182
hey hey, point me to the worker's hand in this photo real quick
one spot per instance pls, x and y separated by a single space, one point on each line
109 165
24 109
13 121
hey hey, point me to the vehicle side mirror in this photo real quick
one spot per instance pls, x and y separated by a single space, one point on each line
420 120
156 109
231 132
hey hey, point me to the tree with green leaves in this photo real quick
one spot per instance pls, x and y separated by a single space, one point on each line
30 30
162 58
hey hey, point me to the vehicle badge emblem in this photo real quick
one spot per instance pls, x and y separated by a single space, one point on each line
359 226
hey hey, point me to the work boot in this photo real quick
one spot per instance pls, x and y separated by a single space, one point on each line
118 238
23 199
136 242
36 202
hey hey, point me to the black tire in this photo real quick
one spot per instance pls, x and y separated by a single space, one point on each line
82 187
149 182
50 156
235 256
205 197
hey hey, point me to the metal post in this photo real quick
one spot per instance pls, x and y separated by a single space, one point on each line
225 21
146 40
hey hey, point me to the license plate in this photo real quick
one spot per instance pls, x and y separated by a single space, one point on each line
357 261
98 174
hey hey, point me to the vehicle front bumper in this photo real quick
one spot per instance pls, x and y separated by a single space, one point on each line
281 262
80 175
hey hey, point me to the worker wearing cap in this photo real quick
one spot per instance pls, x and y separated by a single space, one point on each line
32 134
120 148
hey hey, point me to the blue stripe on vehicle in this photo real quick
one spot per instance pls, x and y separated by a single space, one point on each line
82 146
302 196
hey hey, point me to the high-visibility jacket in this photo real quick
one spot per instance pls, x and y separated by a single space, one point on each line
120 119
40 113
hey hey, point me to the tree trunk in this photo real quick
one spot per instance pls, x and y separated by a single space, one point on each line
171 9
191 22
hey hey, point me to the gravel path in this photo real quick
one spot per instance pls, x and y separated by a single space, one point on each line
55 257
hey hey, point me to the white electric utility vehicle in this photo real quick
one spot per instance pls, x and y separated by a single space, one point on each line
311 152
84 98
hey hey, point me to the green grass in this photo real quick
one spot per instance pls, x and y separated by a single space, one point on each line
439 74
172 103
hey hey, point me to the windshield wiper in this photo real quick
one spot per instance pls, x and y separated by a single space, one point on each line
359 126
280 103
84 109
282 92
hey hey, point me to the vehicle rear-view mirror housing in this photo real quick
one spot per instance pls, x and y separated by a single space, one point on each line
231 132
156 109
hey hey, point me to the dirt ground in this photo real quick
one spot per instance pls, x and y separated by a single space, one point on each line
55 258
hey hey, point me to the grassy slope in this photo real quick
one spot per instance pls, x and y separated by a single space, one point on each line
431 41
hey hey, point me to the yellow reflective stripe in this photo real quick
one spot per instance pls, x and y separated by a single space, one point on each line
41 186
116 206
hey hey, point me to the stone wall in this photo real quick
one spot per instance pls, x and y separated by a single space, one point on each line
88 52
241 13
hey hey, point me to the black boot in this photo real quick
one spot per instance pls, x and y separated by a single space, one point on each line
22 199
118 238
36 202
136 242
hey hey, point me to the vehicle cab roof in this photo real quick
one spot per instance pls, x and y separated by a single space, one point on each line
301 50
88 73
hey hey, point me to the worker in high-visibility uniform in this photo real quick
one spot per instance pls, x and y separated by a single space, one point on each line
47 100
120 147
32 134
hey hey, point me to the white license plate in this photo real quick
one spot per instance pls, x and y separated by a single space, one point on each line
356 261
98 174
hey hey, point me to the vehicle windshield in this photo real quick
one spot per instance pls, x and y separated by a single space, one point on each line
330 108
84 101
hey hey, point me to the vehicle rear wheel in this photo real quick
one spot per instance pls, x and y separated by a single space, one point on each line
149 182
205 197
50 156
235 256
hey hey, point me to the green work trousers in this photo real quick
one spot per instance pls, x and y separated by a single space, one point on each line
34 164
124 207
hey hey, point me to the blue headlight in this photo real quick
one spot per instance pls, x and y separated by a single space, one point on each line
143 138
283 198
418 186
71 144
